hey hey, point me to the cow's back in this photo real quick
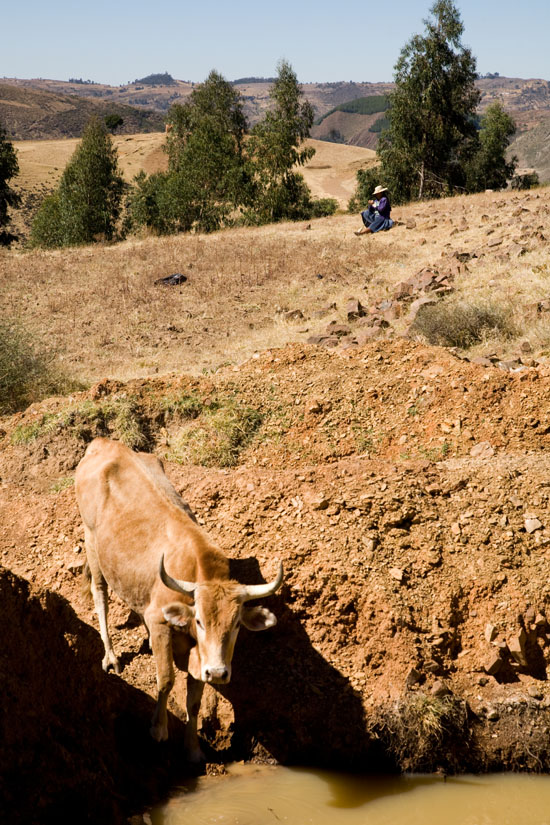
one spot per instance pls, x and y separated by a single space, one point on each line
133 515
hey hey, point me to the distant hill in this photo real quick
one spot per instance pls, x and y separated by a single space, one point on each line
28 113
373 104
164 79
532 148
527 100
356 122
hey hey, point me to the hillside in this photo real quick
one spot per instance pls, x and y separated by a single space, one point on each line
323 96
27 113
532 149
330 173
289 386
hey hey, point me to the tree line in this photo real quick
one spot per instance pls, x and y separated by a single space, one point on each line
219 173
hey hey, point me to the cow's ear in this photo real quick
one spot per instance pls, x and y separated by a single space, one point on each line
257 618
178 614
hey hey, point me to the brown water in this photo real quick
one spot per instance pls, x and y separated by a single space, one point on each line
266 796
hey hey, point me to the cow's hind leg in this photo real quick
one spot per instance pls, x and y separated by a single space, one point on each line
101 603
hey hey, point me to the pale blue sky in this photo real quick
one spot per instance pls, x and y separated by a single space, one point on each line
114 41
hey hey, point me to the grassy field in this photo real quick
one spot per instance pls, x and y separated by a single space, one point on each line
330 173
100 309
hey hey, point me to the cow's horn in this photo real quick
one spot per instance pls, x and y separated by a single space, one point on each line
257 591
187 588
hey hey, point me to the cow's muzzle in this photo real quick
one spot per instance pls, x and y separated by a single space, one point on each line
216 675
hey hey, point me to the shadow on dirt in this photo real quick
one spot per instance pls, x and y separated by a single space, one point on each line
289 702
75 741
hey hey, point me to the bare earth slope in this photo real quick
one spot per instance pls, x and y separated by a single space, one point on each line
405 488
28 113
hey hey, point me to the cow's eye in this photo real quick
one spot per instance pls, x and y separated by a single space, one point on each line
199 623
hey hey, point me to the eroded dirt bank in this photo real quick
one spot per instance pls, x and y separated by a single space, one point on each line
407 493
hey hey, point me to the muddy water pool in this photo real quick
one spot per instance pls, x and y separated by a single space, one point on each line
252 795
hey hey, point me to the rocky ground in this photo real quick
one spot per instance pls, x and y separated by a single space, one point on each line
407 493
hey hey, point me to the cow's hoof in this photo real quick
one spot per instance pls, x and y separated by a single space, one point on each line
110 662
159 733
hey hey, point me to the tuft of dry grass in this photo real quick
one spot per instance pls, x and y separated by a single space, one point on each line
425 733
29 370
463 323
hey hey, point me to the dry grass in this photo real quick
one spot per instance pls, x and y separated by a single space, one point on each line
425 733
101 310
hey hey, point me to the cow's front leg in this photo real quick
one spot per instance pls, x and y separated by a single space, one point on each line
161 645
193 750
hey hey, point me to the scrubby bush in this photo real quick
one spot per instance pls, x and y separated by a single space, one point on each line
367 180
28 371
425 733
463 323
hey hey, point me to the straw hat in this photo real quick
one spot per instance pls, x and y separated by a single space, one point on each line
379 190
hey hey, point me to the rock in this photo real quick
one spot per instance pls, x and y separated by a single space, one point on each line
455 528
418 305
393 312
529 615
313 407
532 524
331 341
411 223
535 692
516 646
294 315
171 280
75 567
404 290
413 677
526 347
482 681
481 360
365 336
493 715
334 328
316 501
440 689
396 573
354 310
490 632
483 449
493 664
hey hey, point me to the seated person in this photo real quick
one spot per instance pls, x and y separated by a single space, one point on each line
377 216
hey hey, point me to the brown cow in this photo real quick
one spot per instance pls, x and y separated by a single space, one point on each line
134 524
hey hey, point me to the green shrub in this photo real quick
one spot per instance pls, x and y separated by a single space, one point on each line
380 124
323 207
463 323
360 105
216 436
119 418
28 371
